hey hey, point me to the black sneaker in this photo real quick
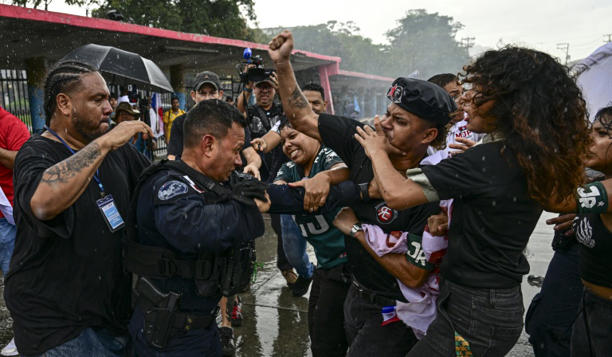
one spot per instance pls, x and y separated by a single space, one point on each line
227 341
301 286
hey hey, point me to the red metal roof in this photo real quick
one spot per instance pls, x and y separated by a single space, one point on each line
19 12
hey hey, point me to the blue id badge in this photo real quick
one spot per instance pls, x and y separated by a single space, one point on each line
111 214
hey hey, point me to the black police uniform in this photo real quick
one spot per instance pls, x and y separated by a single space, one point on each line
187 225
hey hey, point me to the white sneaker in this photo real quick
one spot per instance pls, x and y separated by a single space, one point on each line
10 349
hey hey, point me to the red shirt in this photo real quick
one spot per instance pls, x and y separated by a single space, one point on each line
13 133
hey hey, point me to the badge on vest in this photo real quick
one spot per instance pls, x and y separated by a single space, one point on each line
171 189
111 214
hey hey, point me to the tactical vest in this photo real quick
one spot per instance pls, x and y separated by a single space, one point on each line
227 274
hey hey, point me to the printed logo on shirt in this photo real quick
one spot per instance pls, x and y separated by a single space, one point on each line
590 197
415 253
384 214
463 132
171 189
584 231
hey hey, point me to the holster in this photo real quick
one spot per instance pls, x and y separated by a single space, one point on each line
159 310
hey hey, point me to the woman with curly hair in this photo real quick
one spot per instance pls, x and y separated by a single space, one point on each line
531 158
593 327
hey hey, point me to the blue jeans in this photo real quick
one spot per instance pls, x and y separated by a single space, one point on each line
7 244
91 343
294 245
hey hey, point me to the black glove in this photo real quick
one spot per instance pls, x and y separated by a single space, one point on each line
247 190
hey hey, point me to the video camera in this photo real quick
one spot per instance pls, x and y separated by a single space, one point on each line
257 72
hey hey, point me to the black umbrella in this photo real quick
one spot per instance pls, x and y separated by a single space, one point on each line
121 67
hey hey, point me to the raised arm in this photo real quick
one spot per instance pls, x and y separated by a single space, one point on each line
63 183
296 107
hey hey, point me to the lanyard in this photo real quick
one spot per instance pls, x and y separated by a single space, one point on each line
95 176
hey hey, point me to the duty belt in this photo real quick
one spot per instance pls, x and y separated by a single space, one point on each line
370 296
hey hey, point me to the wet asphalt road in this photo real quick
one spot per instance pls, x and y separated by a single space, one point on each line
275 322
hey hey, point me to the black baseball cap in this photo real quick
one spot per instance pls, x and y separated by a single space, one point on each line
206 77
424 99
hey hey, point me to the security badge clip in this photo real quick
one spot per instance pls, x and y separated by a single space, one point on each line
111 214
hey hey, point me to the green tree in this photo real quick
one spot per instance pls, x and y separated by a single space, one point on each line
340 39
426 43
223 18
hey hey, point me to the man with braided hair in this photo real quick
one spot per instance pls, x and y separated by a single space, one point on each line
67 291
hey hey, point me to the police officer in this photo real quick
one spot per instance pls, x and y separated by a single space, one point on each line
195 222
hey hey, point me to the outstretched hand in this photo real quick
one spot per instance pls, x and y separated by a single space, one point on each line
372 141
252 169
259 144
563 223
125 131
281 47
462 146
316 191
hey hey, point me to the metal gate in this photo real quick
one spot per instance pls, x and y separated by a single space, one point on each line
14 94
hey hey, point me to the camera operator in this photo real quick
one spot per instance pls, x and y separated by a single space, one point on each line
265 116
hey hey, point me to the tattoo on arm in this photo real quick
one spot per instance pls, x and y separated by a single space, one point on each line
63 171
297 99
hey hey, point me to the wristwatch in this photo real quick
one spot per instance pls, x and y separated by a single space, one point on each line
356 228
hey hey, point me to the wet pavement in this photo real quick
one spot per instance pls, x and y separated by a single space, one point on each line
275 323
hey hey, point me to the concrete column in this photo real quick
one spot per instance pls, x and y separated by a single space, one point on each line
177 75
36 71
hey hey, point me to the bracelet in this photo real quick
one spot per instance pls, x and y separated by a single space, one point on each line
592 198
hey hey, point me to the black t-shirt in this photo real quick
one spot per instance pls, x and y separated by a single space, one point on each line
596 249
337 134
175 144
259 122
492 216
66 273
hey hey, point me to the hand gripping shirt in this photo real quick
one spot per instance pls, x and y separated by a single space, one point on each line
318 229
337 134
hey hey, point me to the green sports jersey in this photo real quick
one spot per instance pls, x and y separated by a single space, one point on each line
327 241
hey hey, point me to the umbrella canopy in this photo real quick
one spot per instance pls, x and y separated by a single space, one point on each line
121 67
595 79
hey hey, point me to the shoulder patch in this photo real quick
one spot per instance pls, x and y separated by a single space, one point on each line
171 189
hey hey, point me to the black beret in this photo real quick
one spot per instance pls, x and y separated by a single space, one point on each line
424 99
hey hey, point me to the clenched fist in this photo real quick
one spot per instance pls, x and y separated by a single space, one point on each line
281 47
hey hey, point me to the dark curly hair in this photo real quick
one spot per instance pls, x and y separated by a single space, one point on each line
541 113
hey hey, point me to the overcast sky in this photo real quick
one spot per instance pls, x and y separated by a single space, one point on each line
540 24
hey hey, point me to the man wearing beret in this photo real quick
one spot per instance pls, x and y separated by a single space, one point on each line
415 119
